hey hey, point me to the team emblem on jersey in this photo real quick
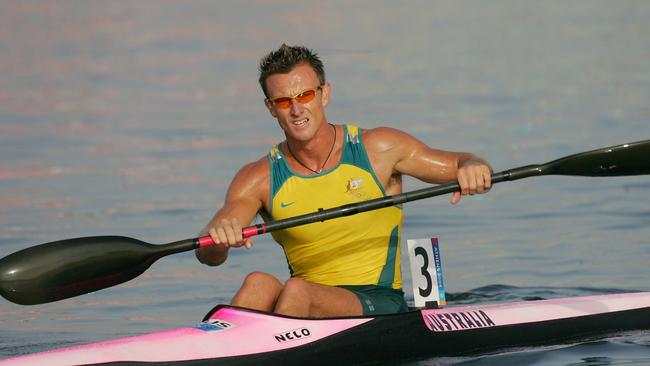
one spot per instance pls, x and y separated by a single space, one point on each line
357 189
354 184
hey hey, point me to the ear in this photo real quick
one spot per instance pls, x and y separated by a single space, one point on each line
270 107
325 99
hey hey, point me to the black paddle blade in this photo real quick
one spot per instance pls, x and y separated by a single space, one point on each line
67 268
614 161
626 159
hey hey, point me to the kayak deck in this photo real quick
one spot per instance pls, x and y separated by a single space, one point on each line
236 336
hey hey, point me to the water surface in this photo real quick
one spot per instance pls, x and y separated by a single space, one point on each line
130 118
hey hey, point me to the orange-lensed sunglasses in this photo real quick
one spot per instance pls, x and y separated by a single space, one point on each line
303 97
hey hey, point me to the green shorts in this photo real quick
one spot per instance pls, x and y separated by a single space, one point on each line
377 300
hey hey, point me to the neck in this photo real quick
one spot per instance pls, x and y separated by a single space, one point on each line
315 154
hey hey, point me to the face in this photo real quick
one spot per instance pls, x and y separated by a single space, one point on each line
299 121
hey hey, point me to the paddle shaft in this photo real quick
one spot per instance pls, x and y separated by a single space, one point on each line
355 208
625 159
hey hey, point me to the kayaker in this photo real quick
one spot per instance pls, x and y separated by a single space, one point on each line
350 265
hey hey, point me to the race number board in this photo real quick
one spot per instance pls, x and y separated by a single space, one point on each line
426 273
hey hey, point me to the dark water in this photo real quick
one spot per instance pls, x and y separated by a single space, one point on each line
130 118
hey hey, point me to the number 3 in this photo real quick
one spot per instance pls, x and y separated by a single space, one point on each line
425 272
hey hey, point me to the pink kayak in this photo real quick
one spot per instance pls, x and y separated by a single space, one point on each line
235 336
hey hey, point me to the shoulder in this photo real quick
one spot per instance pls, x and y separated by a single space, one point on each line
251 180
383 133
386 138
255 171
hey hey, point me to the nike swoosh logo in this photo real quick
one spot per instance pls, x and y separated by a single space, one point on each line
284 205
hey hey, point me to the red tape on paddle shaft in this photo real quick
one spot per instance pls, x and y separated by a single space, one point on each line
247 232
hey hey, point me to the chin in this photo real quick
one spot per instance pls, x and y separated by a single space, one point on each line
302 132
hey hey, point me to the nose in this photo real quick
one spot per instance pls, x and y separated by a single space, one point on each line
296 107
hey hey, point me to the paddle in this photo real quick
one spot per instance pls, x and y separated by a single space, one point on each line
68 268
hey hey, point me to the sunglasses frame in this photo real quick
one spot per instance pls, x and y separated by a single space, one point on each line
295 96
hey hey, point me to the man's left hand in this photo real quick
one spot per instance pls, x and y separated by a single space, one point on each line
474 176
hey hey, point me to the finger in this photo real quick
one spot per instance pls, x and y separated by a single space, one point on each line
248 243
236 227
229 233
484 179
470 176
463 182
473 183
218 236
480 181
222 233
455 198
487 178
223 236
214 235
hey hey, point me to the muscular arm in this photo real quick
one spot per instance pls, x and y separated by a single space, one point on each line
245 197
393 153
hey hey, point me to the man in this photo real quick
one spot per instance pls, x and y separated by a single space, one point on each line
346 266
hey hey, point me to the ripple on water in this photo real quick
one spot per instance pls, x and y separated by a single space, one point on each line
505 293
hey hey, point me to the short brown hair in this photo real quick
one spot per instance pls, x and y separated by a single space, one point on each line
285 59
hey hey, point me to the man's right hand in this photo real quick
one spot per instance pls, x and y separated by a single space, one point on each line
225 233
228 232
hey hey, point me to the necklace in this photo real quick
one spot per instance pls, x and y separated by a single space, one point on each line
326 159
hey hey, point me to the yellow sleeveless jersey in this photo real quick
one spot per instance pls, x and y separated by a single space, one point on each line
362 249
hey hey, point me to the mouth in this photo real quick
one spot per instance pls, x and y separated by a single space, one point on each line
300 122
